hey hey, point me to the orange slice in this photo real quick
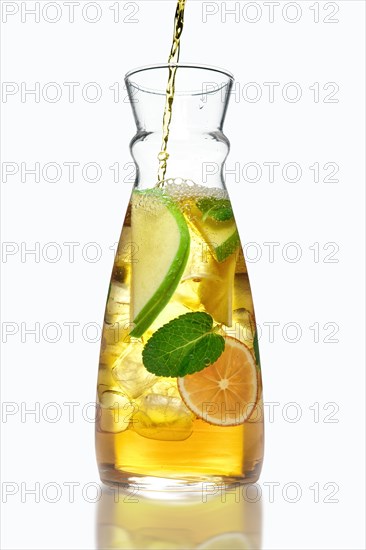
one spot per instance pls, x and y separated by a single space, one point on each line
224 393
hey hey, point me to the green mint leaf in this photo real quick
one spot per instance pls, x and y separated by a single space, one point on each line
217 209
183 346
256 349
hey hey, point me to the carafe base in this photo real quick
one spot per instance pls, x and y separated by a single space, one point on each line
154 486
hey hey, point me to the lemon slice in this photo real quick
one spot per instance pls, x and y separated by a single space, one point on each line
216 289
224 393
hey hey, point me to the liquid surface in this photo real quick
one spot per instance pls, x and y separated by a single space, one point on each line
180 255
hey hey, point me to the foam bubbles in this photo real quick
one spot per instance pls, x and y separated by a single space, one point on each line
180 188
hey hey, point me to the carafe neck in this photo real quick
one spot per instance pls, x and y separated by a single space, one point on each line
197 146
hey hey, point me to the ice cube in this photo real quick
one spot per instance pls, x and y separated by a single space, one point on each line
115 412
166 387
130 372
118 305
106 380
243 327
115 340
187 293
163 417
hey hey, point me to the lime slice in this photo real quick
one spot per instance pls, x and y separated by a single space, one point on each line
221 236
227 246
161 239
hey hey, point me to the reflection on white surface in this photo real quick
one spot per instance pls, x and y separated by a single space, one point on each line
227 521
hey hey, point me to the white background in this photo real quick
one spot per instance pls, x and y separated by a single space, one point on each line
314 289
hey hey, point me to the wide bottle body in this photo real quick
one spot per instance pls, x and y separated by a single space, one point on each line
177 257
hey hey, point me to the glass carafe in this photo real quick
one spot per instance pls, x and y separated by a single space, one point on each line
179 386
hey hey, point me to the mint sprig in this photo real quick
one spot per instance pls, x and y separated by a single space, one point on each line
217 209
183 346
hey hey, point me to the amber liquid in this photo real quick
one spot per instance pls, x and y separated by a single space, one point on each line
144 427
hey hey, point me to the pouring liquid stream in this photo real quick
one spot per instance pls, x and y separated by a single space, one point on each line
170 89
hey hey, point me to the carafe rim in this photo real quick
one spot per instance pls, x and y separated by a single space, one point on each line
206 69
